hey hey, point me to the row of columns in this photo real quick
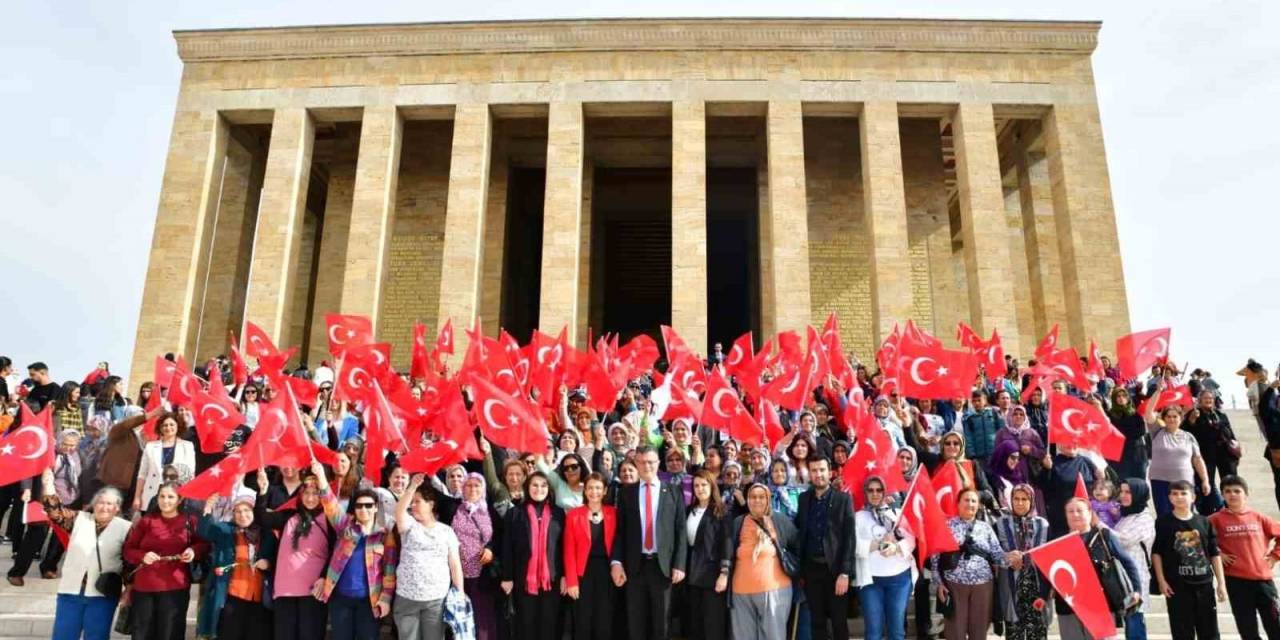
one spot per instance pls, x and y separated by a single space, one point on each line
1087 275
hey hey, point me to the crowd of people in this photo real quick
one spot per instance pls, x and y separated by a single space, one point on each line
626 524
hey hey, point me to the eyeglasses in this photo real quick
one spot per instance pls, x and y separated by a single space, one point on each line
951 444
874 490
365 505
571 467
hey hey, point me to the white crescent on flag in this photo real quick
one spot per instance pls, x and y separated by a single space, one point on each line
914 370
715 402
1066 421
1063 565
43 437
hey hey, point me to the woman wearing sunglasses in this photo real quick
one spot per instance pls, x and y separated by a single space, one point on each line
359 592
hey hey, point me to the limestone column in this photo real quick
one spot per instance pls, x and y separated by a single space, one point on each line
982 215
786 278
562 221
232 241
332 258
1093 279
1023 302
495 228
462 259
373 205
178 261
885 208
689 222
280 223
1043 267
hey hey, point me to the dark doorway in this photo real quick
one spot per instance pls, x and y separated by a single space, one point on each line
631 228
733 258
522 268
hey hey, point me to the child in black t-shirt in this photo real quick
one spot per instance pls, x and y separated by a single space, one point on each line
1186 563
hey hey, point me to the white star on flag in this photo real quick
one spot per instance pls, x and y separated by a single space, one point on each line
7 450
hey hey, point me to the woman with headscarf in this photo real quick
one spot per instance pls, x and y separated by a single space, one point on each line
473 523
1059 484
1022 590
1136 454
1038 413
971 475
1018 429
1010 468
885 566
243 549
731 489
676 472
1135 533
306 538
785 496
532 560
759 589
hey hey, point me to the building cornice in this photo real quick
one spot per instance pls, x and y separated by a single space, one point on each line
708 34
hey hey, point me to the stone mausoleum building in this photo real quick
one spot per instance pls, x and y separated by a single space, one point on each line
718 175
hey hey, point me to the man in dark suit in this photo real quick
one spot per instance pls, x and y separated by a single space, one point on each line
650 552
824 524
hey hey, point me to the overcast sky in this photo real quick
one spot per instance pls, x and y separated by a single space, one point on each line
1189 93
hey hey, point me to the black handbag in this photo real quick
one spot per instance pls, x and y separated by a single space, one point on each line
1112 576
124 619
790 564
1153 587
108 583
198 569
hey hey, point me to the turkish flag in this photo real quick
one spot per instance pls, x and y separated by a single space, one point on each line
1136 352
1095 371
1074 421
874 454
34 513
1066 565
419 362
239 369
149 427
926 371
548 362
1065 364
923 516
444 343
721 403
637 356
914 333
788 388
790 347
257 344
432 458
384 432
279 430
219 479
689 373
216 416
1082 492
453 422
28 450
164 372
674 344
361 366
948 484
767 416
1180 396
741 354
684 403
967 337
602 390
182 388
346 331
1048 345
507 421
991 354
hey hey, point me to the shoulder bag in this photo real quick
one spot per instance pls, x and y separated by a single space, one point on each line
108 583
790 564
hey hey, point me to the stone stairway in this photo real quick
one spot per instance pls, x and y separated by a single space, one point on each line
27 612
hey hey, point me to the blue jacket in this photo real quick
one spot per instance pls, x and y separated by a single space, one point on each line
223 538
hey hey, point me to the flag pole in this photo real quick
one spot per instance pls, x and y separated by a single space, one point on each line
910 488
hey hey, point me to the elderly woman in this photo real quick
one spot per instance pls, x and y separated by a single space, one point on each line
785 495
508 489
243 550
360 583
473 523
964 578
1018 430
1059 485
1106 556
94 547
1136 533
90 450
971 474
302 554
163 544
735 500
759 589
885 566
1022 590
676 472
429 565
1175 455
169 448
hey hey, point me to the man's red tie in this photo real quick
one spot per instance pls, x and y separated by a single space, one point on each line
648 510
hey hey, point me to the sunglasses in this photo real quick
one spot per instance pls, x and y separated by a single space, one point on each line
951 444
571 467
874 490
364 505
529 462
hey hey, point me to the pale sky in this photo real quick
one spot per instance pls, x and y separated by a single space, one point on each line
1189 93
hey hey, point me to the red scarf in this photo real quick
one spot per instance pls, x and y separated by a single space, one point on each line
537 577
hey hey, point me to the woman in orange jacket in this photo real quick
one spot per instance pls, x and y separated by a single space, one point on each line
588 541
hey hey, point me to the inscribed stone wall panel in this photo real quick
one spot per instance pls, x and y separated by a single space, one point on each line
412 286
839 247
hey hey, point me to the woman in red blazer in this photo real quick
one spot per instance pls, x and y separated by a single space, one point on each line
588 541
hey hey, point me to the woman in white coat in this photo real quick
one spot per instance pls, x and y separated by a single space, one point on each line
169 448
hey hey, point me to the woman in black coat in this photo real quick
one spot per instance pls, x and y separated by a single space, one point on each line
532 560
707 579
